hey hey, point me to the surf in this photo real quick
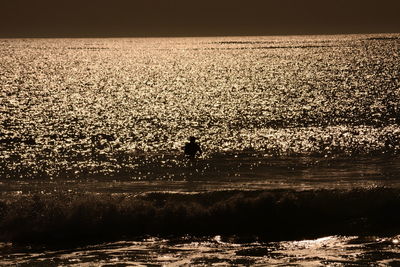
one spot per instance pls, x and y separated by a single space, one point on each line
269 215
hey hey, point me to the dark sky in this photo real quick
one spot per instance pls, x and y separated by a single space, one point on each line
91 18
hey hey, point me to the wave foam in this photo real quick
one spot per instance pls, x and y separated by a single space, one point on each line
268 215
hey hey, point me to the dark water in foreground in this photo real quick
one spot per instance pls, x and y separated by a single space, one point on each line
301 138
327 251
353 227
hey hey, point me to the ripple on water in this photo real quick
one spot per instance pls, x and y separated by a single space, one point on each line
90 105
332 250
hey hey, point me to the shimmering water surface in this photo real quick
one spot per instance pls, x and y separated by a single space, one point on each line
83 118
327 251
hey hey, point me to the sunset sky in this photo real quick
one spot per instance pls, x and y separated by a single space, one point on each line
102 18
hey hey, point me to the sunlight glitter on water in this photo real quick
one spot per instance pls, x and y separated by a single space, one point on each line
326 251
98 119
89 106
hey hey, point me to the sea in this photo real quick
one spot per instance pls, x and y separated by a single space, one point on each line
300 138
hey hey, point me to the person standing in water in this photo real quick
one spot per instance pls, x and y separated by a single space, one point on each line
192 148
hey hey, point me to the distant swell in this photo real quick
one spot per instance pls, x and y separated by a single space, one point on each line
268 215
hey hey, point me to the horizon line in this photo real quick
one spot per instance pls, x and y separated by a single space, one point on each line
95 36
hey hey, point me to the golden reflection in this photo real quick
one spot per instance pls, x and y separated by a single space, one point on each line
71 109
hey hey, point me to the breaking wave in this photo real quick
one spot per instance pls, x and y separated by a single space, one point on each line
265 215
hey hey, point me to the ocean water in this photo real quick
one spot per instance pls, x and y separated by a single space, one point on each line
300 138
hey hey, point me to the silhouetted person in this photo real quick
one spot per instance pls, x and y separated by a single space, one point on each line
192 148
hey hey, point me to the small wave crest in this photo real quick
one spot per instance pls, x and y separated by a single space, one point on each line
268 215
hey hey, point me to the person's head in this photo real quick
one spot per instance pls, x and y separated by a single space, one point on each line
192 139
